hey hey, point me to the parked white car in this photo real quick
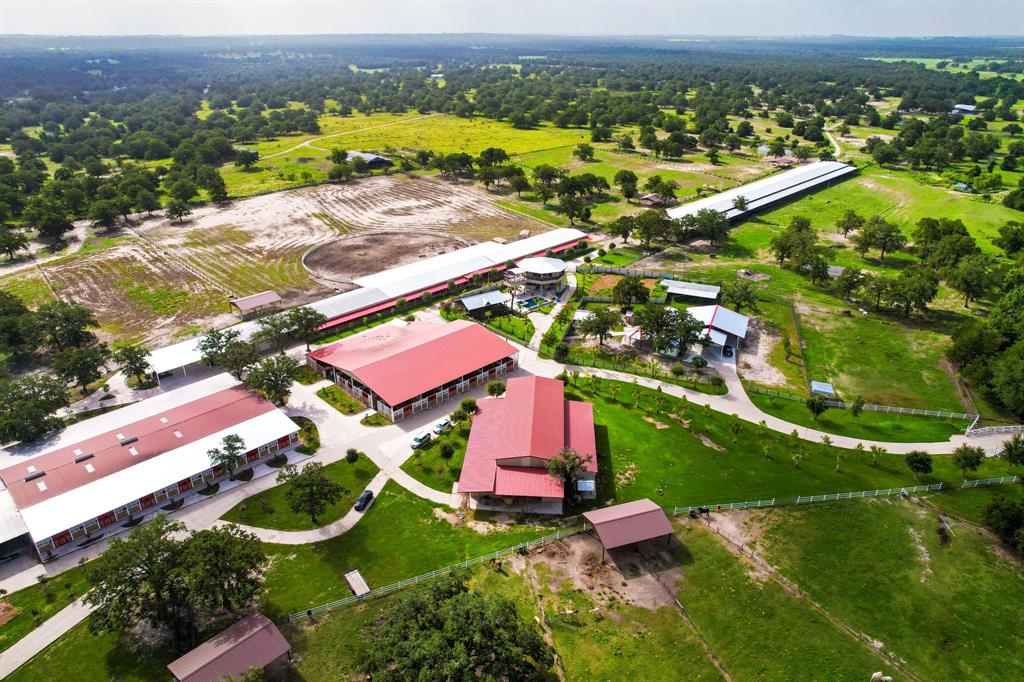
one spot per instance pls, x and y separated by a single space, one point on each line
420 439
442 426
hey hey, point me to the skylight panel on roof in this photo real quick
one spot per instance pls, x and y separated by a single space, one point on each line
90 468
41 485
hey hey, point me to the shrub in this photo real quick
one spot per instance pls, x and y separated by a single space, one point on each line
495 388
601 252
699 362
677 370
562 352
468 405
586 259
717 381
611 246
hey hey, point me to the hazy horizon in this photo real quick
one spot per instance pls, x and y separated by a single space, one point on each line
576 18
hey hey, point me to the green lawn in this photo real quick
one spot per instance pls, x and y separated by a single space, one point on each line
620 257
339 400
881 568
758 629
399 537
893 193
647 452
269 509
427 466
39 602
519 328
869 425
81 655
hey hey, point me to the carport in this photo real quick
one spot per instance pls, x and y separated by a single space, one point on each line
629 524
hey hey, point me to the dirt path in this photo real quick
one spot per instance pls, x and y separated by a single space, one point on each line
309 143
836 149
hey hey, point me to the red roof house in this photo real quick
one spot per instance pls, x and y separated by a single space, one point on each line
514 436
402 369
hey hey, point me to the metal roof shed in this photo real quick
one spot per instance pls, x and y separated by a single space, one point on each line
823 388
485 300
248 305
629 523
253 642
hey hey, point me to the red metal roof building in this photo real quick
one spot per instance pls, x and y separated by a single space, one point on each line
253 642
514 436
402 369
111 470
629 523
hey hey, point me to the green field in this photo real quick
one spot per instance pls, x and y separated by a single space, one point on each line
869 425
881 568
269 509
757 628
681 455
398 537
339 400
894 194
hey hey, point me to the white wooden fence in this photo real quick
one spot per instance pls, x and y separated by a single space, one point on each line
408 582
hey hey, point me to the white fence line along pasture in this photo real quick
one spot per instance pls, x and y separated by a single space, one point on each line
676 511
870 407
408 582
629 272
883 492
977 483
1015 428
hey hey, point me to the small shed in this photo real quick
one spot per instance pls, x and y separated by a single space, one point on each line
690 291
373 161
357 583
249 306
655 199
478 304
629 523
823 388
253 642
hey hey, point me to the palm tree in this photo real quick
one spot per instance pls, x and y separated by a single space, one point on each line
876 450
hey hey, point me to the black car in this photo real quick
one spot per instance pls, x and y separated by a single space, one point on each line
364 499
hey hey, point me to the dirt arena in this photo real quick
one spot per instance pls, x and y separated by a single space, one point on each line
349 258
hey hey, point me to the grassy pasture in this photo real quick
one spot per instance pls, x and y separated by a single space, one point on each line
894 194
681 455
881 568
399 537
869 425
757 628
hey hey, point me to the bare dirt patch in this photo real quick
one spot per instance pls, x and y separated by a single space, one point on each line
922 552
709 443
7 611
627 475
754 364
137 293
643 578
481 527
418 204
348 258
162 281
657 424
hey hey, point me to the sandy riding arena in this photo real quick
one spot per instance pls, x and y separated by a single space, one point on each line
348 258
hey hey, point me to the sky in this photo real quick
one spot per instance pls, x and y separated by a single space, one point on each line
558 17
